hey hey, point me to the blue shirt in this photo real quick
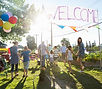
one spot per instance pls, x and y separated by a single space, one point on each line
63 49
14 55
25 55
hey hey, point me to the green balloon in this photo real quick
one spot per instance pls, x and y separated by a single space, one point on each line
12 25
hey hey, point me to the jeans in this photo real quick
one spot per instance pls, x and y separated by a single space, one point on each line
16 67
42 60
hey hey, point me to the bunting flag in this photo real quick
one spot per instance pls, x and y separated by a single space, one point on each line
74 28
61 26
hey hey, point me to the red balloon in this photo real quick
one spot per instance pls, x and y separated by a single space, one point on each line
12 19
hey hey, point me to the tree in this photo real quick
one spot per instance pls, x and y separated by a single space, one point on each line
87 47
31 42
65 41
23 13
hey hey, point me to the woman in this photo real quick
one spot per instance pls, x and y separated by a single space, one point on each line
80 54
14 59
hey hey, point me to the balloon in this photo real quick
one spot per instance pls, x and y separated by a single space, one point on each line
12 25
0 27
1 22
9 14
12 19
7 25
7 31
5 17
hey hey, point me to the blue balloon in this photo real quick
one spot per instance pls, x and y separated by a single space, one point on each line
0 27
5 17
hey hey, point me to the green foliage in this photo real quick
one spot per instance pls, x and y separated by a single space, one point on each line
65 41
93 57
31 42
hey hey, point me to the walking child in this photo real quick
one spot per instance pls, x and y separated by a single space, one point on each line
26 60
51 57
69 55
56 55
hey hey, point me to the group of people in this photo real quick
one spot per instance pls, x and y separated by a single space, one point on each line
66 52
15 57
46 53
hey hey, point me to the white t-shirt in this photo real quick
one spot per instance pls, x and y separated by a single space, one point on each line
70 57
51 57
56 53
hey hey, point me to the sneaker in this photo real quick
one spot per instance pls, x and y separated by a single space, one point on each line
81 71
71 73
26 76
23 75
16 74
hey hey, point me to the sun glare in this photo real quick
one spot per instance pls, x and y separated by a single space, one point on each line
40 25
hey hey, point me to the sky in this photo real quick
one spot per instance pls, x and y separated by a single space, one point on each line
42 25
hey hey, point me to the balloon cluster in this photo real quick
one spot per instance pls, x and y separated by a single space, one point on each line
7 21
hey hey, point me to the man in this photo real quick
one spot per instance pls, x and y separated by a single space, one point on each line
14 59
63 51
42 50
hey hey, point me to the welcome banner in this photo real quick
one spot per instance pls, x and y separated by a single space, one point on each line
76 13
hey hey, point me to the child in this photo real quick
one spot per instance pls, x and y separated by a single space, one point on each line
69 53
26 60
51 57
56 54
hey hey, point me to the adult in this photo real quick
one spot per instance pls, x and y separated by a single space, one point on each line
81 52
63 51
14 59
42 50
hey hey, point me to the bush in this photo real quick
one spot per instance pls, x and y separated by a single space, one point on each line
93 57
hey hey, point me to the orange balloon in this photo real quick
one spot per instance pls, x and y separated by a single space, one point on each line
1 22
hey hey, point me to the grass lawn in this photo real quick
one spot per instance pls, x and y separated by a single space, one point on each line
56 77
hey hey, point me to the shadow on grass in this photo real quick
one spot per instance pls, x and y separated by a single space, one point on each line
21 83
33 70
44 81
87 81
88 68
63 79
6 84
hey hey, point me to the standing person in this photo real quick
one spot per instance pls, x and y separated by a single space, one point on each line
26 54
49 47
56 54
69 53
80 54
51 57
42 50
63 51
14 59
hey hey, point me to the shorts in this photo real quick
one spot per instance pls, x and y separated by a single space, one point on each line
63 55
26 65
55 58
51 60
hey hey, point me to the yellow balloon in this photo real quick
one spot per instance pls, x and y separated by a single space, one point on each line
7 26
